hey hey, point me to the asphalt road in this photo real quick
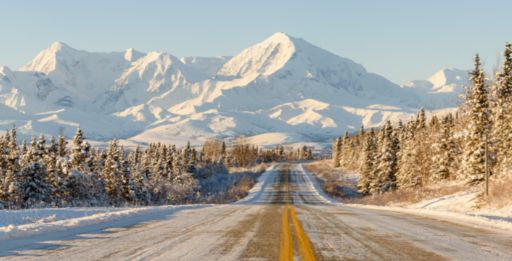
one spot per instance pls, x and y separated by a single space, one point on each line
288 219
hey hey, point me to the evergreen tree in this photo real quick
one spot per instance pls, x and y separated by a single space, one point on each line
34 187
346 149
375 184
443 152
142 179
111 173
77 151
13 180
184 160
368 164
4 152
408 175
223 150
50 163
61 146
474 151
501 137
40 147
336 153
128 189
422 145
176 164
387 164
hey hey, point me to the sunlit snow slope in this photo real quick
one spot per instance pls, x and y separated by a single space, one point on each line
283 88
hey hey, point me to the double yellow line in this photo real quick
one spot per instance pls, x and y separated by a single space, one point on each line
304 244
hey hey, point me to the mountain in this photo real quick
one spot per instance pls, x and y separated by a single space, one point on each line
442 89
283 89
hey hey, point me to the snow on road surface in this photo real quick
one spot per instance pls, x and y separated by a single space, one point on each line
252 229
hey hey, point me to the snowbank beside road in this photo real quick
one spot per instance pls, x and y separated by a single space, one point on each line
254 196
23 223
473 220
48 215
315 186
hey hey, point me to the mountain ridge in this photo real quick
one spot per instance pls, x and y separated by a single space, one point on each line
280 85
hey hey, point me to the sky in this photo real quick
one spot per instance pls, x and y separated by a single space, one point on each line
398 39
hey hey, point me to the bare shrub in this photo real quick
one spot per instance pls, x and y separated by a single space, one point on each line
333 180
214 150
500 192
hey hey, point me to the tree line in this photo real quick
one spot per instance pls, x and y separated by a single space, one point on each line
448 147
57 174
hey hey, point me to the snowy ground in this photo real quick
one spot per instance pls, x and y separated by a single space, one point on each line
250 229
16 224
463 204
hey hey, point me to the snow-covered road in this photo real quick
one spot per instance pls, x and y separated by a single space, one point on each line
256 227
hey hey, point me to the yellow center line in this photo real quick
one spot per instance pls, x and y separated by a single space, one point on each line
305 248
286 250
304 244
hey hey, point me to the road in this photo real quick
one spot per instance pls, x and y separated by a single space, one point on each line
285 217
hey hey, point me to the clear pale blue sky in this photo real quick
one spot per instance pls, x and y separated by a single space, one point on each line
399 39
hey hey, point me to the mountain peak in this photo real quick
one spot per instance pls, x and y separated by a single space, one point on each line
46 60
131 55
263 58
448 76
280 37
57 46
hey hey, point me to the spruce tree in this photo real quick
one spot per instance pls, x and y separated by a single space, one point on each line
41 147
13 180
4 142
61 146
111 173
387 164
368 165
443 152
336 153
35 189
346 149
474 151
127 183
77 151
375 184
502 112
409 172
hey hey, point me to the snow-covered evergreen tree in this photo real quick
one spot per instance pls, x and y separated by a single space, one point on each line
33 184
375 184
366 173
443 152
176 165
54 179
501 137
40 147
111 173
474 150
346 151
387 163
78 156
61 146
336 153
409 172
128 189
13 182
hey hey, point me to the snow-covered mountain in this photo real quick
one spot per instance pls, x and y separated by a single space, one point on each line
282 88
442 89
